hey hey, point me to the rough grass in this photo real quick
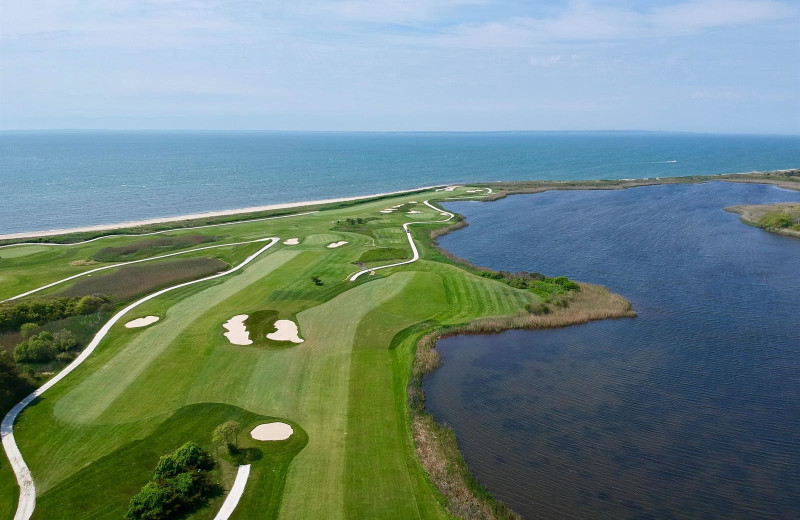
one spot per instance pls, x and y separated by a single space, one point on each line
383 254
132 280
149 247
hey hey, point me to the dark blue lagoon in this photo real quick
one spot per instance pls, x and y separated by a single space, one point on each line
690 410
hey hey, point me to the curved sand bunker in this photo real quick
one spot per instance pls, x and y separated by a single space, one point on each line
237 332
291 241
141 322
333 245
414 212
274 431
285 330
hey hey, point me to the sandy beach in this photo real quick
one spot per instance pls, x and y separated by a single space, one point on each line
192 216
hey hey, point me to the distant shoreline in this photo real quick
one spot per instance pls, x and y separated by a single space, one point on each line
202 215
781 178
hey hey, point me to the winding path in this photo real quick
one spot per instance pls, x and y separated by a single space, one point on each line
235 494
27 489
410 241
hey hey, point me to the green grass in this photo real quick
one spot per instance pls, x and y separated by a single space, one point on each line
382 254
149 247
92 440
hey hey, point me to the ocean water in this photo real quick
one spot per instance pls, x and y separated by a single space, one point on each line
54 180
689 411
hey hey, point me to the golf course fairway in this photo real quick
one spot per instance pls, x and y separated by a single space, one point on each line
91 441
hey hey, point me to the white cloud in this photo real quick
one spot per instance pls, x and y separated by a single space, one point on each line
555 59
587 21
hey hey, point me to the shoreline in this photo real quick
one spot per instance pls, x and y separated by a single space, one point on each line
779 178
201 215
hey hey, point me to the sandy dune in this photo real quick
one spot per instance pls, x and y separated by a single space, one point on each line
237 332
285 330
141 322
276 431
333 245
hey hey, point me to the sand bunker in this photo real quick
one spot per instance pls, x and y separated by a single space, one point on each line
449 188
237 332
387 210
285 330
474 191
414 212
291 241
141 322
398 206
274 431
333 245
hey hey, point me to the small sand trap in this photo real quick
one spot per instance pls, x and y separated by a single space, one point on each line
387 211
237 332
449 188
141 322
274 431
414 212
474 191
413 202
398 206
291 241
285 330
333 245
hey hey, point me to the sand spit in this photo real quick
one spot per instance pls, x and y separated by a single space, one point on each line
334 245
237 333
291 241
274 431
192 216
141 322
285 330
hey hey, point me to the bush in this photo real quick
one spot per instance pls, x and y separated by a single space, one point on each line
42 310
27 330
180 483
43 347
13 386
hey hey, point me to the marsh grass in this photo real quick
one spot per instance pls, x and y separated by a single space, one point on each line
133 280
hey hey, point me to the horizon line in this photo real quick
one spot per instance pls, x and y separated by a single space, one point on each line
273 131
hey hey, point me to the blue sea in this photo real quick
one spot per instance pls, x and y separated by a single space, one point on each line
689 411
54 180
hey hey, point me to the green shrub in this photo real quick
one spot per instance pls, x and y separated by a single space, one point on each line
27 330
42 310
13 386
180 483
43 347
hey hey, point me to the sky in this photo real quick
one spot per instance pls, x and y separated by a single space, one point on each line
401 65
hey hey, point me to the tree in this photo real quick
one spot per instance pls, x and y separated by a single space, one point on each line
12 384
27 330
227 433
